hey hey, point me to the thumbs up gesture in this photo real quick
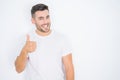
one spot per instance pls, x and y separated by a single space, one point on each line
30 46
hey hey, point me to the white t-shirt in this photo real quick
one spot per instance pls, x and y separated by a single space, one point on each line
45 63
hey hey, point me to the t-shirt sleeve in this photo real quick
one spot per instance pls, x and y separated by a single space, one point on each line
67 47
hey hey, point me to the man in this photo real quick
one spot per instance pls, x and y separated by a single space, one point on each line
46 54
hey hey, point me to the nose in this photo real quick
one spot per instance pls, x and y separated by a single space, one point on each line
45 21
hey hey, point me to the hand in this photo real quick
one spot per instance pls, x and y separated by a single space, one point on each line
30 46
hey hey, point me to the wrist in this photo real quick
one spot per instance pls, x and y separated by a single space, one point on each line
24 52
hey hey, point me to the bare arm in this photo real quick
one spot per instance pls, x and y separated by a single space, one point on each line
69 70
21 60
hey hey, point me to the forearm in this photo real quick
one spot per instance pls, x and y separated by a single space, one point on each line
70 74
21 61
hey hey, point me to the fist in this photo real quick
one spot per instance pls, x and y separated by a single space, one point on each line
30 46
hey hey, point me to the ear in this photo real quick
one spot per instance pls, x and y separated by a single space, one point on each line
33 20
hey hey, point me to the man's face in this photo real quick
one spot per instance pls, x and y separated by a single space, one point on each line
42 21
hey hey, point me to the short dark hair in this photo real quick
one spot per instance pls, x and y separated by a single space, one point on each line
38 7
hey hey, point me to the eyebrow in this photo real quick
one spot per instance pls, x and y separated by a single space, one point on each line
43 17
40 17
48 16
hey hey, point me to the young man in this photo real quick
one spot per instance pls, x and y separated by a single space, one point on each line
46 54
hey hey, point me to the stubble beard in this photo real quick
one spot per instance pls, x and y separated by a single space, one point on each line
46 29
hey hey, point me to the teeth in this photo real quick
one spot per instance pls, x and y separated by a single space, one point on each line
44 25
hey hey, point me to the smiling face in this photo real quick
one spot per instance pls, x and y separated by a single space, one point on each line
42 21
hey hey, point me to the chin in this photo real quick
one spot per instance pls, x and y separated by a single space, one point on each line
47 31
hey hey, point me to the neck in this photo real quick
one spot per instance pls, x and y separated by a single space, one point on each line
43 33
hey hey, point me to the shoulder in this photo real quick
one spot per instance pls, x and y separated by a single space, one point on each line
32 34
59 35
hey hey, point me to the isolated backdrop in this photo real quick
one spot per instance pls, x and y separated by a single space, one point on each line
93 27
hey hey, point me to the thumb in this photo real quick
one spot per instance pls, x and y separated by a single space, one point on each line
28 37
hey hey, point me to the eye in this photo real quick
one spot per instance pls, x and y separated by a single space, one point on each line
41 18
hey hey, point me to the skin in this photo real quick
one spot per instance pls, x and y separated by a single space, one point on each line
42 21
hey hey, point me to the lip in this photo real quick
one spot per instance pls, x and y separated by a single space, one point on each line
45 25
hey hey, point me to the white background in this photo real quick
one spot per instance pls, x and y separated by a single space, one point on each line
93 27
